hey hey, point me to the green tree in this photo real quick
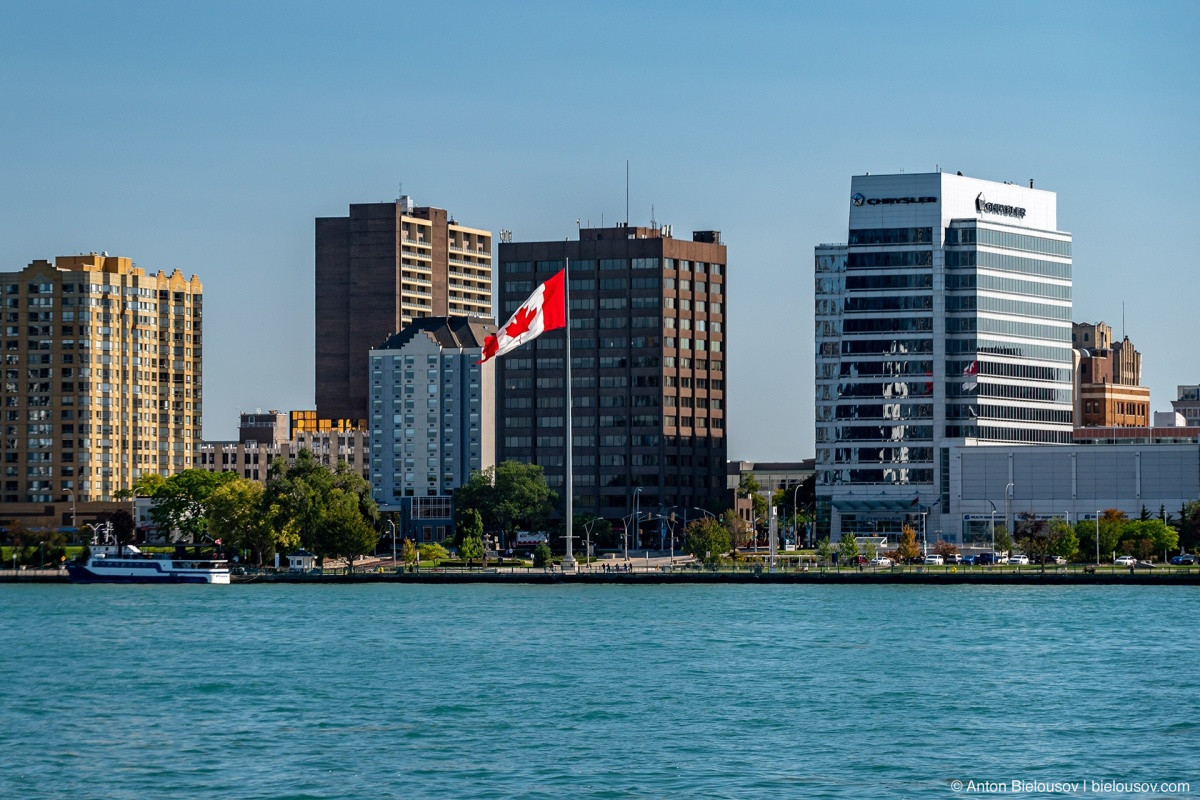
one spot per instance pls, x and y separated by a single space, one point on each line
468 524
237 517
1162 537
824 551
1033 536
1063 541
124 528
1189 525
1004 542
178 503
706 539
342 531
740 534
470 549
408 552
510 496
300 496
541 555
432 552
908 549
869 551
847 548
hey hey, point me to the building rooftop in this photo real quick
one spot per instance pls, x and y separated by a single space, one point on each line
445 331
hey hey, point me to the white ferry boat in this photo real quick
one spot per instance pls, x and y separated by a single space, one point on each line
127 564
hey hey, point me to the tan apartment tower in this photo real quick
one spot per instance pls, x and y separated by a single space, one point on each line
102 378
377 270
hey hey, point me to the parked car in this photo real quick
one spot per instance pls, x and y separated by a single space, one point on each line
984 559
968 559
881 561
1056 560
1185 559
934 559
1125 561
954 558
1018 559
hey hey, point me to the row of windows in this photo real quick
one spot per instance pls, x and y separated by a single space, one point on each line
1033 435
899 324
1024 241
1004 305
899 411
880 346
891 236
1010 349
857 283
581 265
1119 407
1008 263
854 369
1028 330
920 302
901 476
891 258
897 389
1041 394
882 433
883 455
995 283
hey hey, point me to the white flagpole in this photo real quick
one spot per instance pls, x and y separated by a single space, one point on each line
568 562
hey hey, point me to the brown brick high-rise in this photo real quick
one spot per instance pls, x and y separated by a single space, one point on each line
378 269
648 372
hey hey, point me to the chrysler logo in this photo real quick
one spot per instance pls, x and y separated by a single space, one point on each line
982 206
857 199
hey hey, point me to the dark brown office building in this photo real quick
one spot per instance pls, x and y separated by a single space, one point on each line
378 269
647 369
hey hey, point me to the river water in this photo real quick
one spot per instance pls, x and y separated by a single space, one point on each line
485 691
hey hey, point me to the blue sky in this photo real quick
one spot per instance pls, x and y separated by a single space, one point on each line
207 137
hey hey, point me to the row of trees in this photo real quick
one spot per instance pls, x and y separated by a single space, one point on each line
328 511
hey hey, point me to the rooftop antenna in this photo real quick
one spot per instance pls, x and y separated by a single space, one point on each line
627 193
1122 319
653 222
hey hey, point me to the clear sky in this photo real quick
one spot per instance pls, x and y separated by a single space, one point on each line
207 136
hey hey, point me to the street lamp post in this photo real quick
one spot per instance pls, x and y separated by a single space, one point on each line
1008 498
391 523
1097 537
992 557
796 516
637 516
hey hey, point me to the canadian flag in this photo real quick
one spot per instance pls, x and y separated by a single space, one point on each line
969 373
545 310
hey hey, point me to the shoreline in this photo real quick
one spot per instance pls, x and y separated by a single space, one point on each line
847 577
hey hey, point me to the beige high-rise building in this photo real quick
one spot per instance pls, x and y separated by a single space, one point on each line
102 380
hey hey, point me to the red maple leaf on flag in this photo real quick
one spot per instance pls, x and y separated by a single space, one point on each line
521 322
490 347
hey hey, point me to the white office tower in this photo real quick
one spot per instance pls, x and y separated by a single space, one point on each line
945 319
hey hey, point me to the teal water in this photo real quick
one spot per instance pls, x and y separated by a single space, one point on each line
479 691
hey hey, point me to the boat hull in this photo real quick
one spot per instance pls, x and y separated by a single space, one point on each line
83 574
